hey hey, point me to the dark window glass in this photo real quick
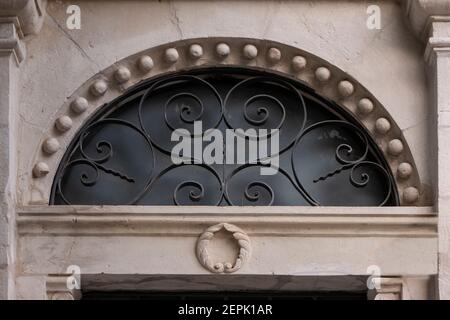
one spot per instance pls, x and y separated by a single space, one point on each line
123 154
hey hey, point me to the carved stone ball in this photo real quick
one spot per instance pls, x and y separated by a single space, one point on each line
382 126
223 50
395 147
346 88
50 146
79 105
274 55
63 123
250 51
40 169
171 55
404 170
196 51
365 106
298 63
122 74
323 74
145 63
410 195
98 88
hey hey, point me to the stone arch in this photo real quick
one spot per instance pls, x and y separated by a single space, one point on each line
326 79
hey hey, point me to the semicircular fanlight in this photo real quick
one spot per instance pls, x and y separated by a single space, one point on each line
125 154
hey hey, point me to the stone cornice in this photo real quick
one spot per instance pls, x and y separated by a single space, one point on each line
436 45
430 21
10 42
29 13
19 18
410 222
421 13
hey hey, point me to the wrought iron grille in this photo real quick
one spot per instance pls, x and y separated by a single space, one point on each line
122 156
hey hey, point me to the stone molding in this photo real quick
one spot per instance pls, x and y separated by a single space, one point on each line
389 289
10 39
401 288
411 222
421 14
425 16
436 45
325 78
438 41
29 14
19 18
57 288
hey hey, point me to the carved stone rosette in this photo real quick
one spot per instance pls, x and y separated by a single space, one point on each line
223 267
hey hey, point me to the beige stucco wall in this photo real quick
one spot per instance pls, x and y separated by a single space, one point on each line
388 62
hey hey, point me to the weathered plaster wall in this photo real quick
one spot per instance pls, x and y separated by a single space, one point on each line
388 61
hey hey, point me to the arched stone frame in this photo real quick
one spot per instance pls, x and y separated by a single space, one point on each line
325 78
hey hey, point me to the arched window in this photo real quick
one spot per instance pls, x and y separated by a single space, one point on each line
123 155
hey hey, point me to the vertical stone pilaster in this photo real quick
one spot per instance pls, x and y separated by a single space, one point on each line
11 54
438 57
17 18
